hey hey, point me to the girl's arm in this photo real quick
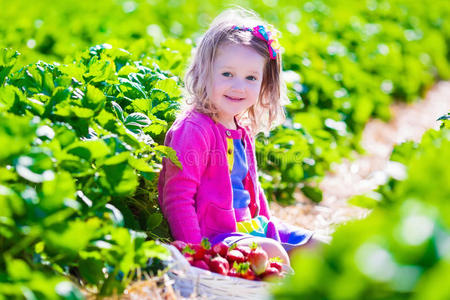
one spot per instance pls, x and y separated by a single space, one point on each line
179 186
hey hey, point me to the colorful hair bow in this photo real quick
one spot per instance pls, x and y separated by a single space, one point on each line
269 36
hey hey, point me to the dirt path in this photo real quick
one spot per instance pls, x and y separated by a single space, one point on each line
367 171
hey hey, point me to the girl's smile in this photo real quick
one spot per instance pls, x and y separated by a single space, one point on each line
235 82
237 99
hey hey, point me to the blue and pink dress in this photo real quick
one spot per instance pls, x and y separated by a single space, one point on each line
259 226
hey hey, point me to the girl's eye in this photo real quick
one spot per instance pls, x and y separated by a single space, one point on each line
252 78
226 74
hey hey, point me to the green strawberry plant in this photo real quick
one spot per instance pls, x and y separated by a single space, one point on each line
81 148
400 251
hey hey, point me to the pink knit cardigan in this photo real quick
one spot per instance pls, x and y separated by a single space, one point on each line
197 199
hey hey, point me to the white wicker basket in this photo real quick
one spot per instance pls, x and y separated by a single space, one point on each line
190 280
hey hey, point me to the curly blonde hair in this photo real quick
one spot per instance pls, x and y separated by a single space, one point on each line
268 111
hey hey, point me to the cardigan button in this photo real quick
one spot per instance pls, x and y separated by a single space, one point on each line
230 151
228 133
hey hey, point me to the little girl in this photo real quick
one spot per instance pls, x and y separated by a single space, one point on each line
234 90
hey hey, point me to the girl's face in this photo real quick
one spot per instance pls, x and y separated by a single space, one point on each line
235 82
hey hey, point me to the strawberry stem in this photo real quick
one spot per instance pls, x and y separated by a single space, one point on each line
205 244
188 250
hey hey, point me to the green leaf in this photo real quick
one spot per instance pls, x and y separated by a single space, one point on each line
57 192
99 70
8 58
118 158
8 96
126 70
140 164
7 175
129 219
118 111
134 127
89 150
94 98
119 179
152 249
134 85
313 193
36 106
97 50
18 269
153 221
116 215
142 105
60 237
35 166
294 172
16 132
91 270
67 110
155 129
169 153
363 201
58 98
106 120
444 117
131 140
363 109
10 204
158 96
139 119
170 86
64 134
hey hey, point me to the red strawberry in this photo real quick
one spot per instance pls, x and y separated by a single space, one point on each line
271 273
207 258
258 259
235 256
200 264
180 245
188 253
189 257
219 265
220 249
201 249
249 274
277 265
246 272
244 250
